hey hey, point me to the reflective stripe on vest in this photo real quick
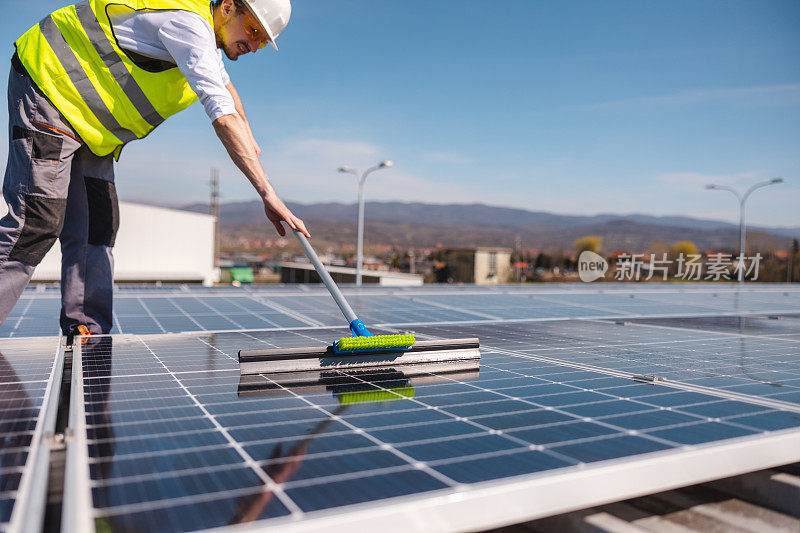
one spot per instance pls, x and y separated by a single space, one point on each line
84 85
114 63
73 57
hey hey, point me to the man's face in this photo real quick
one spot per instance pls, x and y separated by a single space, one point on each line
240 33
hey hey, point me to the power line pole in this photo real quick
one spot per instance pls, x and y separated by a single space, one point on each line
214 211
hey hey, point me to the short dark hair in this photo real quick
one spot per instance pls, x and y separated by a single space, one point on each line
241 7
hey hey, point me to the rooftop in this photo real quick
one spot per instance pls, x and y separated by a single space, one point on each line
586 394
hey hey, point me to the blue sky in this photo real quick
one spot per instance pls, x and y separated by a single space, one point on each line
576 107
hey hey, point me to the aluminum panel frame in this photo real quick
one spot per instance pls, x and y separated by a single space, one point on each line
529 497
27 515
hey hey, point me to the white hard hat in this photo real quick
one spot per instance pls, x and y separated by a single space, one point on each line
273 16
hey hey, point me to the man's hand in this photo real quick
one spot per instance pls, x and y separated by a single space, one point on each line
276 211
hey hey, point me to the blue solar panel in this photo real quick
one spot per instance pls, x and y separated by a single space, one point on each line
762 366
175 309
26 368
173 438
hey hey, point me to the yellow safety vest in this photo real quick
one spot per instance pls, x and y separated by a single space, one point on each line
73 57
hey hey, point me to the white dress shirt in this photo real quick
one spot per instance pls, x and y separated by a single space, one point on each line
186 39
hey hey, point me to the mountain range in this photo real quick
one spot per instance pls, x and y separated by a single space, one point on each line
423 225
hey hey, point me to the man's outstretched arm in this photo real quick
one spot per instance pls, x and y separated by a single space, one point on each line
235 135
240 109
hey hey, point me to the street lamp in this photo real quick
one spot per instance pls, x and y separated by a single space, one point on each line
742 199
361 179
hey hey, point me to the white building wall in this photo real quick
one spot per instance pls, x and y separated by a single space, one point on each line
492 266
153 244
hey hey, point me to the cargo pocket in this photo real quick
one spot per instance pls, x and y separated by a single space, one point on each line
44 219
43 146
101 196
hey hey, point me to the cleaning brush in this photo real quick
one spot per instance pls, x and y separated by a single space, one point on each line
374 342
362 339
361 351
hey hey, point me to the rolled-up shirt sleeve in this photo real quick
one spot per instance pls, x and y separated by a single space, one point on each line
191 43
225 78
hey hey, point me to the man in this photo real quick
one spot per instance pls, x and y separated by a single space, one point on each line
84 82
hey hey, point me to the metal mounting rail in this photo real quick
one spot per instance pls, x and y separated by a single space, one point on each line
77 514
28 513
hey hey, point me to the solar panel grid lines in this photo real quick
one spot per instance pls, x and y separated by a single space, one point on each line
270 485
22 313
248 310
228 314
338 464
700 358
554 399
650 324
290 312
151 315
451 308
650 406
550 490
334 415
189 316
637 399
185 312
562 299
177 309
486 455
27 410
523 443
98 350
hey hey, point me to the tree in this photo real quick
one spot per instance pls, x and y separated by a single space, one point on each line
683 247
658 248
591 243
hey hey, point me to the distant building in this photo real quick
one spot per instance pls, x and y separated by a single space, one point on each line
153 244
292 272
481 266
236 274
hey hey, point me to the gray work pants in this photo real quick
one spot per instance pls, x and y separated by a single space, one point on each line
56 188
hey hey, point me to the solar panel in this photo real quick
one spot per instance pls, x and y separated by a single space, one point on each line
761 366
28 392
143 310
375 309
779 326
169 437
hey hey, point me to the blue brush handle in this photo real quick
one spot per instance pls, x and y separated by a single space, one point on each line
356 326
359 329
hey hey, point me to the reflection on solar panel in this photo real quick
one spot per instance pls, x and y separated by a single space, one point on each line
26 391
569 397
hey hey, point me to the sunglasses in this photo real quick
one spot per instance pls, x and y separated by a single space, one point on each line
253 30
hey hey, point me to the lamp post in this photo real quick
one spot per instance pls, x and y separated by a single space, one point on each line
742 199
361 179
